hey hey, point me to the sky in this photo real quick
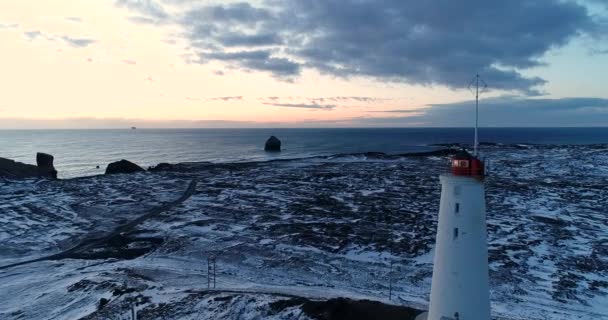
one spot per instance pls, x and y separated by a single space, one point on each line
293 63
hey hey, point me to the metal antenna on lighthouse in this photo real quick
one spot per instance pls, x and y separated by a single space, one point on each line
477 86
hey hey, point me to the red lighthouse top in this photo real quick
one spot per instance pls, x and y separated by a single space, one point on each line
465 164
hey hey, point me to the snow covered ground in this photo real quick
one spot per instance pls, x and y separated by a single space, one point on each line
356 226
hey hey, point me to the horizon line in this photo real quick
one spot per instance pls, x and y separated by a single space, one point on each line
311 128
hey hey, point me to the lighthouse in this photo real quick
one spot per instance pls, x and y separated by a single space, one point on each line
460 283
460 288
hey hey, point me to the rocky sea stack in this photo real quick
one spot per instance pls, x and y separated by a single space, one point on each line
273 144
123 166
45 165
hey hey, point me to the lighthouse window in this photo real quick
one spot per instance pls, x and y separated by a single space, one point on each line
455 233
457 208
460 163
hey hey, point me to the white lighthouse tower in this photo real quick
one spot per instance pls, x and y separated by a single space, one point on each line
460 284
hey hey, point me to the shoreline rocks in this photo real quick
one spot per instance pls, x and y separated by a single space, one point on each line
273 144
123 166
17 170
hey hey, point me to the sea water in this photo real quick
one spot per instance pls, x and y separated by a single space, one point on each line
79 152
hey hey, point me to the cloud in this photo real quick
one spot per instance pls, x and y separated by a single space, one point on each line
78 42
72 41
505 111
74 19
398 111
142 20
302 105
9 26
595 51
407 41
130 62
235 39
32 35
231 98
260 60
149 8
341 99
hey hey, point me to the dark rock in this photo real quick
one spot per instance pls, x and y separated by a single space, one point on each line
17 170
102 303
44 160
161 167
273 144
345 309
45 165
123 166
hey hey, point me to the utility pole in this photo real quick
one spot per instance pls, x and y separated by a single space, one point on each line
214 269
477 86
211 268
390 283
133 312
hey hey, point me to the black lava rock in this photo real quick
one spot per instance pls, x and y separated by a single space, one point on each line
163 166
17 170
102 303
45 165
273 144
123 166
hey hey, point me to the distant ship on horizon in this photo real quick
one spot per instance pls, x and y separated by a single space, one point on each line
133 128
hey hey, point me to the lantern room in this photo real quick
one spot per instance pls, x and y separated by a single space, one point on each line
465 164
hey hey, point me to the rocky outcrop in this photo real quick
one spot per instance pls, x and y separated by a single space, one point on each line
45 165
163 166
273 144
123 166
17 170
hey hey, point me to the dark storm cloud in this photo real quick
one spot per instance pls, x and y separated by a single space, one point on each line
411 41
78 42
505 112
237 39
261 60
302 105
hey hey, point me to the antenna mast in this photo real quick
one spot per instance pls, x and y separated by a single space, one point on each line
477 86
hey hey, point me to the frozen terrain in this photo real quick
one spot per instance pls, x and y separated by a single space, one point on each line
358 226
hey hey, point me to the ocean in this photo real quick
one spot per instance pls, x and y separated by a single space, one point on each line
79 152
